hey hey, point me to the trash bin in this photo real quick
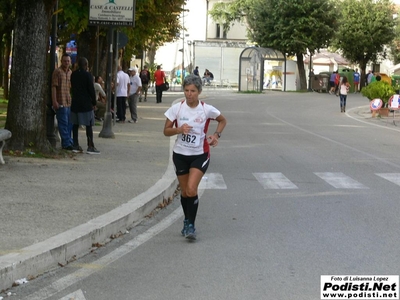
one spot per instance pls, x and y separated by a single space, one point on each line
320 83
386 78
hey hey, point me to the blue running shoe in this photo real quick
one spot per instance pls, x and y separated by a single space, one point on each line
185 227
191 232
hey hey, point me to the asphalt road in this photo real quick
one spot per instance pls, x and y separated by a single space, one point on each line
295 190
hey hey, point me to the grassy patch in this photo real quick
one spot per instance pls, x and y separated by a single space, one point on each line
55 154
250 92
299 91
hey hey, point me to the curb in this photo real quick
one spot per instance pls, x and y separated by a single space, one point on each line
44 256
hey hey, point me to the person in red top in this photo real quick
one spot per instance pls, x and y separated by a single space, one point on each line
159 77
337 81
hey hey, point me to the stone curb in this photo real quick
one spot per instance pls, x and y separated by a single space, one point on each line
44 256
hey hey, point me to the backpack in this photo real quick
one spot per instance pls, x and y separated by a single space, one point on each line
144 76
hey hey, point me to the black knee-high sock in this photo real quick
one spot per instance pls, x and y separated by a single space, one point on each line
193 204
89 136
184 203
75 129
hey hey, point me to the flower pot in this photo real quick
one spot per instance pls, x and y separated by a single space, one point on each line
384 112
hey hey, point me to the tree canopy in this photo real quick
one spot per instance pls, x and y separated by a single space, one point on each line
293 27
365 27
156 22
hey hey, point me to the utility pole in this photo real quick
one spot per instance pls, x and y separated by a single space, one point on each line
183 43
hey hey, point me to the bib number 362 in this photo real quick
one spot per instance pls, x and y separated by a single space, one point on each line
190 140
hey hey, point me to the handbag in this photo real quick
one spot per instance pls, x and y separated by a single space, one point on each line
165 86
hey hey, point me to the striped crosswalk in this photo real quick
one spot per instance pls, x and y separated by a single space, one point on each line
274 181
340 180
279 181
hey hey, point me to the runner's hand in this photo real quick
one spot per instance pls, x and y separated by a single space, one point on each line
185 128
212 140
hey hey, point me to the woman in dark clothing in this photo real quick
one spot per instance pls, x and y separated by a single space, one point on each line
82 104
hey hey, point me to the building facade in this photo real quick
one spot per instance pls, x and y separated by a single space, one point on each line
204 43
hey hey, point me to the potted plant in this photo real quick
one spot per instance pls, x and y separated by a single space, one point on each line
379 90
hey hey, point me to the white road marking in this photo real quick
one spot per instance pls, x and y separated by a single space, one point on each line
340 181
274 181
212 181
77 295
392 177
82 273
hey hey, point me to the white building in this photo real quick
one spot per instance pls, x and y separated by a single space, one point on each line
205 44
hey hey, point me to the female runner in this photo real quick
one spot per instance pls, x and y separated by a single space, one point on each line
189 120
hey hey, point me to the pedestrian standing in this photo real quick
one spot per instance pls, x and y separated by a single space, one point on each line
122 93
61 100
134 92
356 80
82 106
337 83
100 98
196 71
332 83
189 120
159 77
145 78
344 89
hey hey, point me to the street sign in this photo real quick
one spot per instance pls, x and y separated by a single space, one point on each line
376 104
394 102
112 12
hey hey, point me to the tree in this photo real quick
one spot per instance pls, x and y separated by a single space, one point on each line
29 90
28 86
365 27
146 34
293 27
395 44
7 17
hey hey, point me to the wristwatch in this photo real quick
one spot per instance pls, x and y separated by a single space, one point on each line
218 133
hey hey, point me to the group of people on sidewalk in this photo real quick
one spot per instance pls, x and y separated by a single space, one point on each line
78 99
73 100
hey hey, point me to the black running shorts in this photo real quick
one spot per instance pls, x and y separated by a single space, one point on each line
183 163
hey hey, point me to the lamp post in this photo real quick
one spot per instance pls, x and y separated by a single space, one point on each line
183 43
309 73
189 42
106 131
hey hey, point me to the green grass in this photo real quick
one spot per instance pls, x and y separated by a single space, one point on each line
250 92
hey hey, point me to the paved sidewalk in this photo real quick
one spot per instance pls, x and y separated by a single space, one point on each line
364 114
54 210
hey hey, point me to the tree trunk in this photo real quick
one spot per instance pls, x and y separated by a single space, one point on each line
86 41
28 86
363 79
2 60
302 73
7 54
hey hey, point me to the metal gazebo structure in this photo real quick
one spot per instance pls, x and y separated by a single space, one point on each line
251 67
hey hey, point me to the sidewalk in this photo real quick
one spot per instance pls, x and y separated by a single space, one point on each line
55 210
364 113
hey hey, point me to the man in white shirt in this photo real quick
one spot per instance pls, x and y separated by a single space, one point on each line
134 92
122 92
